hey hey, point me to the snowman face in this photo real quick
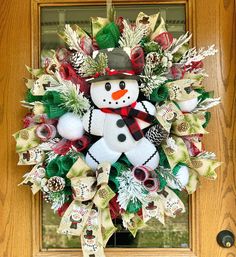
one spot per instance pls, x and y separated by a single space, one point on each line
114 93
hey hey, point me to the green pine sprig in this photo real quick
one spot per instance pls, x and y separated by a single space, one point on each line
92 66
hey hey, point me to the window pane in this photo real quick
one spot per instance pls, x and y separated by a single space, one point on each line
175 233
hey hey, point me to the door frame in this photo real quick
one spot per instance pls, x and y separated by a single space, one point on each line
38 250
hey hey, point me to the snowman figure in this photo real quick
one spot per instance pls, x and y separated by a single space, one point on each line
119 119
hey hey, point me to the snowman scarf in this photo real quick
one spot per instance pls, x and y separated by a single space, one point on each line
129 115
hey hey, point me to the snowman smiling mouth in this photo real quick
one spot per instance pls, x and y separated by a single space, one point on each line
118 94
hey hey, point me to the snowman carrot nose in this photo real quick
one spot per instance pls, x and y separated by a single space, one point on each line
118 94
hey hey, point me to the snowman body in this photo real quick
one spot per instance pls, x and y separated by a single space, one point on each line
116 137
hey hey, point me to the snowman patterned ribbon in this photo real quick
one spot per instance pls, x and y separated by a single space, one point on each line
162 203
129 114
88 215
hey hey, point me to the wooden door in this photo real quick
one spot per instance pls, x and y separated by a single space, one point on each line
212 21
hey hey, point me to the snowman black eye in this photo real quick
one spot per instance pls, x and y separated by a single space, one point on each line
108 86
122 85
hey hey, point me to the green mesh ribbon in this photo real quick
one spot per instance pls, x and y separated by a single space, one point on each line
177 167
159 94
124 160
116 170
32 98
207 117
204 95
134 207
66 162
53 168
53 111
113 183
59 166
162 181
108 36
163 159
52 98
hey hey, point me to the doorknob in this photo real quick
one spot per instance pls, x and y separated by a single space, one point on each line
225 239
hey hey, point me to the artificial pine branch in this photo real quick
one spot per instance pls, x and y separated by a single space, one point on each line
168 176
206 104
132 36
194 55
72 38
179 42
90 66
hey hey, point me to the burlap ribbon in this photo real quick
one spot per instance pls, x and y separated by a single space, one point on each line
88 215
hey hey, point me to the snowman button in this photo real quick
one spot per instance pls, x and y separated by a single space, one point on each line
120 123
121 137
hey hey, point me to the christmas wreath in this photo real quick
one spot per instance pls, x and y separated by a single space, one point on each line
115 126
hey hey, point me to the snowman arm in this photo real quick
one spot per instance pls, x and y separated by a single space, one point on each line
147 107
93 122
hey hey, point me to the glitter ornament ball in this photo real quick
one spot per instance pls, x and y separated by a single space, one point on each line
182 176
70 126
188 105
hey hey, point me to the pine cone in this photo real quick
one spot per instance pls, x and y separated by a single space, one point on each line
156 134
47 198
55 184
76 59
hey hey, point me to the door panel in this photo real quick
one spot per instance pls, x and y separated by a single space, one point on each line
211 22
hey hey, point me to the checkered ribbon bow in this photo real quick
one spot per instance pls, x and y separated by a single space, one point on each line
130 115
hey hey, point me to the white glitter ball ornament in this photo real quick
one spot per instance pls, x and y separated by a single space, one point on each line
182 176
70 126
188 105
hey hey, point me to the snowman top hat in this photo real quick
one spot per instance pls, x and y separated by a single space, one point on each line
119 65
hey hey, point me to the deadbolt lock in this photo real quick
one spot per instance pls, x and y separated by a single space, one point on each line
225 239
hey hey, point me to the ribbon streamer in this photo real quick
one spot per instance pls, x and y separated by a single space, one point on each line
88 215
